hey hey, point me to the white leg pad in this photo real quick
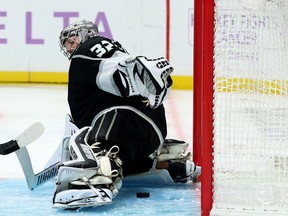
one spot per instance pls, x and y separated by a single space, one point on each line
69 174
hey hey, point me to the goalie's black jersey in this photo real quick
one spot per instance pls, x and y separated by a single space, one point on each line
86 99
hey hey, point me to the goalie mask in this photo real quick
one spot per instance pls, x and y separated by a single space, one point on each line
83 29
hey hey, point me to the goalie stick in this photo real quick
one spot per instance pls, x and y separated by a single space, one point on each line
35 180
18 145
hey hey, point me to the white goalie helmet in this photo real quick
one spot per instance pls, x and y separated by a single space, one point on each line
83 29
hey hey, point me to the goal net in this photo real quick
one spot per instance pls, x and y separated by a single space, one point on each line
250 108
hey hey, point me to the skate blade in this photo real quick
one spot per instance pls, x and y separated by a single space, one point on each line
78 205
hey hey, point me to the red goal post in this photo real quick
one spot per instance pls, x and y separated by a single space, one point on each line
203 96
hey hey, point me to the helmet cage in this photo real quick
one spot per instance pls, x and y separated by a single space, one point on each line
83 29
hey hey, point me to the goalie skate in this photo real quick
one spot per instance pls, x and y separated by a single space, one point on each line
75 198
184 170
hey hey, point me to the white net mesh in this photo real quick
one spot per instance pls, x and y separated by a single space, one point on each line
251 106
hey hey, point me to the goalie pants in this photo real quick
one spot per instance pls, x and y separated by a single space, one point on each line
133 132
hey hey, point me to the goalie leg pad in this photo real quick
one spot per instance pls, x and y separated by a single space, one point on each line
90 166
82 163
70 127
173 149
110 168
181 167
173 146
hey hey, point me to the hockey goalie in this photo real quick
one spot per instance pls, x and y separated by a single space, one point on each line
116 101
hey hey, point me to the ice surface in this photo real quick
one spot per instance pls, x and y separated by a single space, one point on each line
179 200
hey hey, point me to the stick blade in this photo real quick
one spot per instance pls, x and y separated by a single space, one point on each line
30 134
24 139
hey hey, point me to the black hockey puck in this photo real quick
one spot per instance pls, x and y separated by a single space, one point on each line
142 194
